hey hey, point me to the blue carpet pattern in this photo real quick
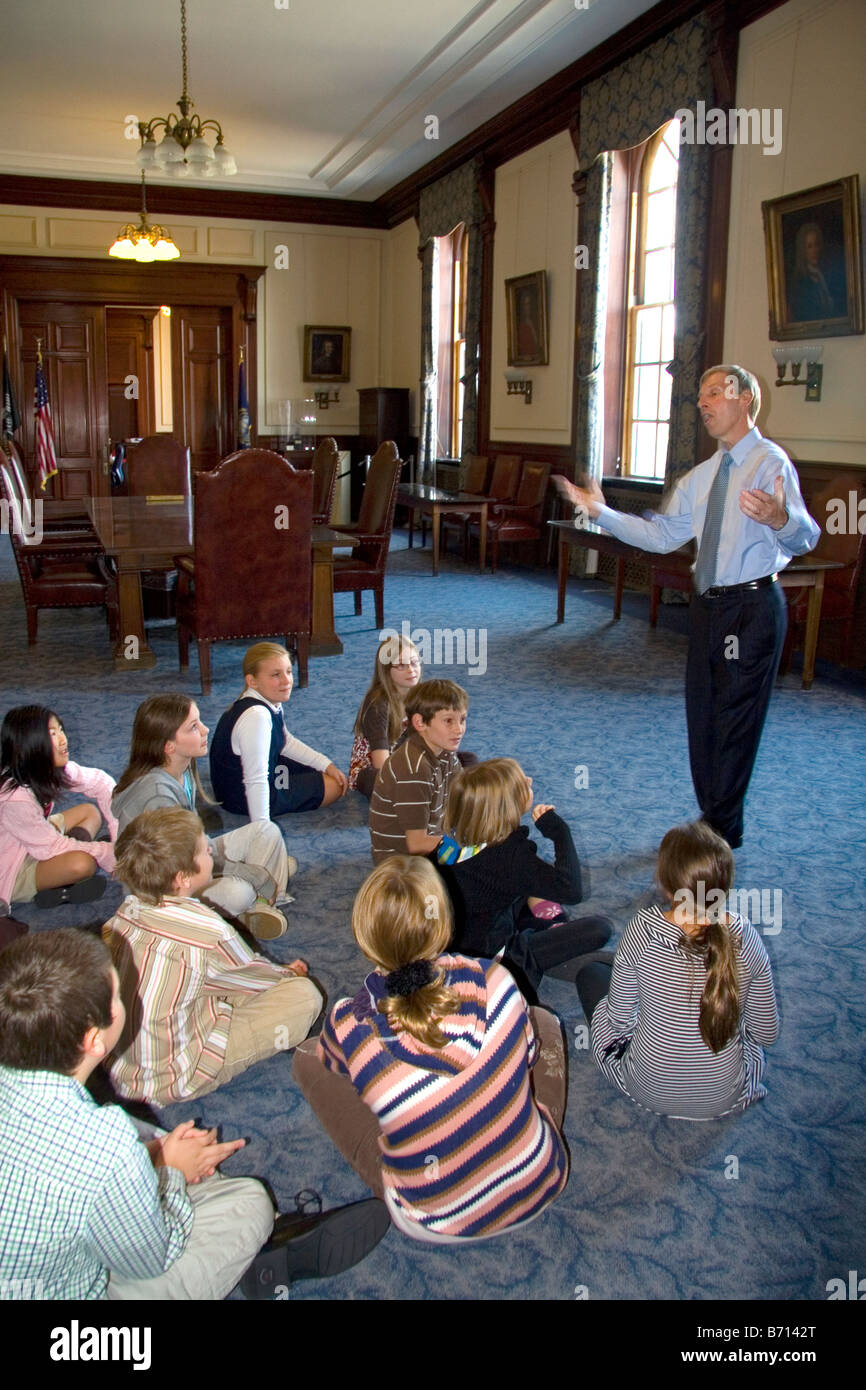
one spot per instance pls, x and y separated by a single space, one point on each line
768 1205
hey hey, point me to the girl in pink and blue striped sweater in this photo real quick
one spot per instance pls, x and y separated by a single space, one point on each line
430 1095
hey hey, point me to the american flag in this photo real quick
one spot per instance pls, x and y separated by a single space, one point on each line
46 459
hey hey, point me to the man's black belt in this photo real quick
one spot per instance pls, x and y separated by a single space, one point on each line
724 590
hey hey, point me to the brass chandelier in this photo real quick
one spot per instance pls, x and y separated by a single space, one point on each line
183 150
144 243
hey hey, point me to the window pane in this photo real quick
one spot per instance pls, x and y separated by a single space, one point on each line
658 277
661 450
649 323
643 450
646 393
671 138
668 324
665 384
660 218
664 169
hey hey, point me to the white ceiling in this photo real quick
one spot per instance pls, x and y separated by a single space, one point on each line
326 97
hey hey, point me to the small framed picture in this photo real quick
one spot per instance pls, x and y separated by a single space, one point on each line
526 306
814 261
327 353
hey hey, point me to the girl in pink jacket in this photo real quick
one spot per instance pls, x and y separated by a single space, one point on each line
49 859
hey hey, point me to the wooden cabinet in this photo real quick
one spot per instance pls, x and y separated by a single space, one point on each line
383 413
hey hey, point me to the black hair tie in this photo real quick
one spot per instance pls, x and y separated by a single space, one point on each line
410 978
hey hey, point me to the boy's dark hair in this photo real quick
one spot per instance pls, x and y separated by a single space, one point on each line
428 698
54 987
154 848
27 754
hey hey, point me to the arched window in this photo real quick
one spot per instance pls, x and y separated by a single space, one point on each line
651 314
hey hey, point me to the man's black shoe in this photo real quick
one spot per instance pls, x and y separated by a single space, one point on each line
315 1247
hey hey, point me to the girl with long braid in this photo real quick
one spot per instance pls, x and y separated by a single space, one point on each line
679 1022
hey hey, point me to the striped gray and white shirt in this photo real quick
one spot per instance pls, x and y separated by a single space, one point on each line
651 1018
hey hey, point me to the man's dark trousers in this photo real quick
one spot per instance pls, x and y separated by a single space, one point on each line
735 645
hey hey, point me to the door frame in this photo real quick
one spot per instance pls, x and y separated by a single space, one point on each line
80 280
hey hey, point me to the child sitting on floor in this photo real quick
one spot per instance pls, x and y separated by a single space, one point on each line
257 767
679 1022
94 1204
502 891
201 1006
168 734
412 787
49 859
382 720
423 1079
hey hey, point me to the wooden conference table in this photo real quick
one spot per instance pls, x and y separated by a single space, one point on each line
802 573
146 533
418 497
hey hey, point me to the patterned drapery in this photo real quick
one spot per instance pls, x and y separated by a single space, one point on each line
442 206
617 112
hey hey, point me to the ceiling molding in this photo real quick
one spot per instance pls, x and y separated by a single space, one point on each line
188 200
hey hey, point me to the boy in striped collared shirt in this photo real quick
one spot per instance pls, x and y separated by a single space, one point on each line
409 797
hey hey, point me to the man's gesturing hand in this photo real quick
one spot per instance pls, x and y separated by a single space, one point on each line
587 499
760 506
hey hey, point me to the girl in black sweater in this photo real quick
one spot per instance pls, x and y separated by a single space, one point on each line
505 897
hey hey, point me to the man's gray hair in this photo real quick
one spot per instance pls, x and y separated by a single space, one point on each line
739 380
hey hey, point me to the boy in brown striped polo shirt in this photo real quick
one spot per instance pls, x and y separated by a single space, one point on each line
412 787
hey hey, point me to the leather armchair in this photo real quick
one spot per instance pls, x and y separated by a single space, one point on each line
60 569
325 463
365 567
521 519
474 480
251 571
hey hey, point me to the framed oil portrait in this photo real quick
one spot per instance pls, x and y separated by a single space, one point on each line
526 307
327 353
814 258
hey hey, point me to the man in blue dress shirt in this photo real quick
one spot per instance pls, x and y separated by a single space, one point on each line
744 508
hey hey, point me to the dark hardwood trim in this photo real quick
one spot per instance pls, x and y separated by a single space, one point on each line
85 280
187 200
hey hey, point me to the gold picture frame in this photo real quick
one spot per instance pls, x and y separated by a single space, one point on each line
327 352
526 311
814 256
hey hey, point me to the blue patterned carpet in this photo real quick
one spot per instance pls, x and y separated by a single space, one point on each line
652 1209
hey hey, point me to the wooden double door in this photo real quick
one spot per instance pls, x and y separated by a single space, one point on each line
92 348
99 368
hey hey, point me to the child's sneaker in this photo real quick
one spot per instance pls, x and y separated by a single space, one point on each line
265 922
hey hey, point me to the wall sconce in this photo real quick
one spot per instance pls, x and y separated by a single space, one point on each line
519 386
808 355
324 399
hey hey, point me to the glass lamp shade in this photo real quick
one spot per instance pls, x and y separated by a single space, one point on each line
225 161
146 157
124 246
180 170
168 151
199 154
144 250
165 249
